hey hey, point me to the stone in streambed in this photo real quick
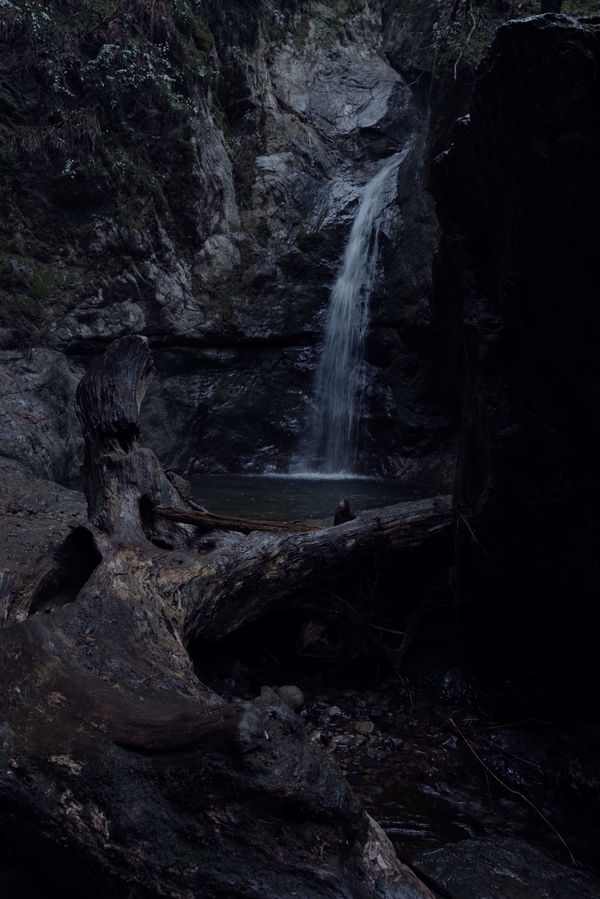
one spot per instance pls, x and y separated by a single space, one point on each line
471 869
292 696
364 727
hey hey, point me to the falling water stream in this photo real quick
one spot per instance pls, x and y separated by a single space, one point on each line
331 444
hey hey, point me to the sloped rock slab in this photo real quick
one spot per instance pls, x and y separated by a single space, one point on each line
508 869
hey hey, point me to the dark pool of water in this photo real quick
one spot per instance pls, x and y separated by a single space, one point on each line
282 497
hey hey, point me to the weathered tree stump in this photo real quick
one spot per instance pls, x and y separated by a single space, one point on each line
121 775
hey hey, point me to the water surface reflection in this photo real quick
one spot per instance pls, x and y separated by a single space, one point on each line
283 497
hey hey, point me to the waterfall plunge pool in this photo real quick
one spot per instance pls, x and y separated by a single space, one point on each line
305 497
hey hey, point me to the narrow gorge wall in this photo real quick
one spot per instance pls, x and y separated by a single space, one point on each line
312 108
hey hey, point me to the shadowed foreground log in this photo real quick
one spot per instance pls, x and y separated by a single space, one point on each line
121 775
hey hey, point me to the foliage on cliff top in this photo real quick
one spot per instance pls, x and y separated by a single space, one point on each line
81 71
456 39
97 101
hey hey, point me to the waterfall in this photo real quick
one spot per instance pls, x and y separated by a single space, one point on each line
331 443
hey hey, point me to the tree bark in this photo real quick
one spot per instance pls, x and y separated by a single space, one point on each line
121 775
249 577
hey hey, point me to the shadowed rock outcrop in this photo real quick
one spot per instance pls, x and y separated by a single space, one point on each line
516 298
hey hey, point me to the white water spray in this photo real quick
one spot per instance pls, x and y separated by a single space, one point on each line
331 444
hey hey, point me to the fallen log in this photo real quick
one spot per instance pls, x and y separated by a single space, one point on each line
250 577
209 521
121 774
410 522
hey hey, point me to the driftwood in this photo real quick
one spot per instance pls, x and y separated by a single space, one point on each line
121 774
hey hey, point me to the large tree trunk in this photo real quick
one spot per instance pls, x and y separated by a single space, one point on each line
120 773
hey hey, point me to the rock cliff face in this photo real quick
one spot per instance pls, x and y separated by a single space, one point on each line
190 171
517 294
312 108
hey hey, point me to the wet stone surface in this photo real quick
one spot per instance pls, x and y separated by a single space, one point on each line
503 868
35 517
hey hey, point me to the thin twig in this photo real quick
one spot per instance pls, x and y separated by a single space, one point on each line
489 789
387 630
515 792
520 721
464 46
520 758
472 532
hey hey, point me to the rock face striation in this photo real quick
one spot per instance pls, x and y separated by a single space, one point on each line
516 293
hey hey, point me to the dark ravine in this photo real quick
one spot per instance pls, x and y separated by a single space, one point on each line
184 244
